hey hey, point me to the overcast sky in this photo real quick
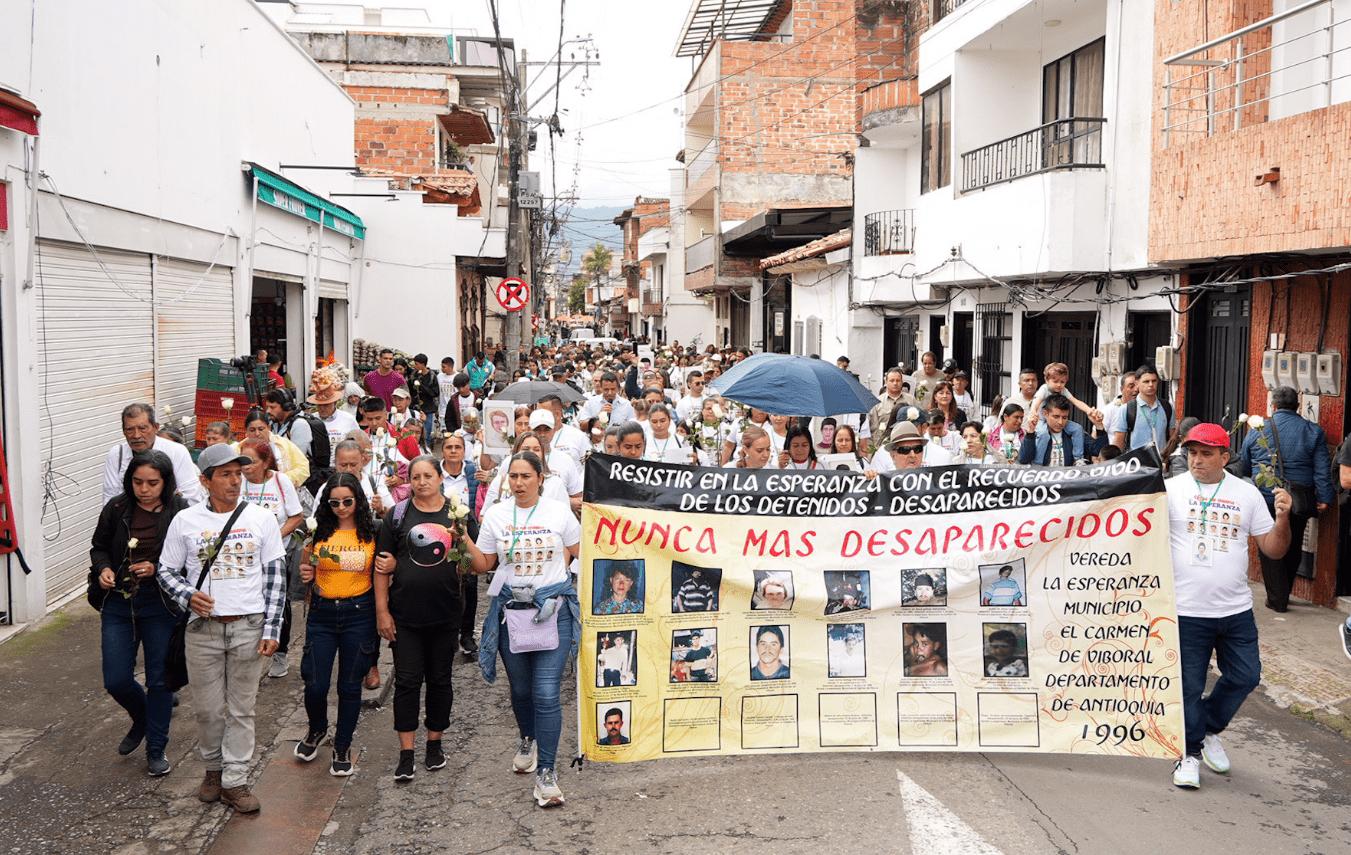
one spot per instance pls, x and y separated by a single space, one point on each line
622 134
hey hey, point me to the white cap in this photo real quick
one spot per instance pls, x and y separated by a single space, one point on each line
541 418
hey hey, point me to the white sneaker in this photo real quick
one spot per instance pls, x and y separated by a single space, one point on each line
1212 752
278 668
1187 773
527 757
547 791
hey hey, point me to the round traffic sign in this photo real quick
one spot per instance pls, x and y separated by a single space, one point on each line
513 294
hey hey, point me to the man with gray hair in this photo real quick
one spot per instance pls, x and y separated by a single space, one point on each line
140 433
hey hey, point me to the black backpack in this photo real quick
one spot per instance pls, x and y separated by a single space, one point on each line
1133 410
320 453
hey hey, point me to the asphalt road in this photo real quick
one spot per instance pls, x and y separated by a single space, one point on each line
63 789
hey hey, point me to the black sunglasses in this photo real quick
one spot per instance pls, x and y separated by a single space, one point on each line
342 503
908 449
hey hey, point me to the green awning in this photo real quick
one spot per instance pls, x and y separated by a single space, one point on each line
277 191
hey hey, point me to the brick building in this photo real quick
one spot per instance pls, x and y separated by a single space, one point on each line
1249 174
646 235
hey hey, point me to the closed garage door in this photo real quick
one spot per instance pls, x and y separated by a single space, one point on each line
194 320
94 334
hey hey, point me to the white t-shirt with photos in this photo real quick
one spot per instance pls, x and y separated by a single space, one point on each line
236 578
530 543
1210 561
276 495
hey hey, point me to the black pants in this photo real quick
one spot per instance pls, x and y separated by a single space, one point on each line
469 591
1278 574
284 644
423 654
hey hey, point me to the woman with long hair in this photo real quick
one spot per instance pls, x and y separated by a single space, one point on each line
756 448
755 418
533 620
266 488
798 452
944 400
124 556
341 622
1174 455
418 604
500 488
845 441
664 445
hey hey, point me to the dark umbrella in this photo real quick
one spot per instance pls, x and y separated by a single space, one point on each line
794 386
530 391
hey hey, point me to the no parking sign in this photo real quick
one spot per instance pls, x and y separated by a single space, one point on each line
513 294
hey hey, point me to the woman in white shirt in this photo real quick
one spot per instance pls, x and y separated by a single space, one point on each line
269 490
756 449
664 446
757 418
530 541
798 452
500 488
778 437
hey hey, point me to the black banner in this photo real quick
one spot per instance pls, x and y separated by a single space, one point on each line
622 482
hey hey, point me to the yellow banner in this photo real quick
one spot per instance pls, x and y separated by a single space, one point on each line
1049 626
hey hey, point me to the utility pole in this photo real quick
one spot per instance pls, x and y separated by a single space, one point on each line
518 126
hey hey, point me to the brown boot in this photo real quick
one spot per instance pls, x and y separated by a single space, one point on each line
209 791
241 799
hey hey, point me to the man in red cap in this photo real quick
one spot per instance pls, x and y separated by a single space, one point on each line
1210 517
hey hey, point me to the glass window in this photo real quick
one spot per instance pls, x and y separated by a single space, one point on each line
936 139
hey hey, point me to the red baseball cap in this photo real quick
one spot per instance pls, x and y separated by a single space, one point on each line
1208 434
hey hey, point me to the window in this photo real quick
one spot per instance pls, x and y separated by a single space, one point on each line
936 139
1071 88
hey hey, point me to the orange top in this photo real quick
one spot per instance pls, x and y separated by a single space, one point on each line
350 574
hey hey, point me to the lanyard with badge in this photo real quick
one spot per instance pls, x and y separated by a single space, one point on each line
1202 545
1151 419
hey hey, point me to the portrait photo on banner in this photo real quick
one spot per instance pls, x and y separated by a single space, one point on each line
616 658
847 591
770 652
924 586
498 425
1005 649
613 720
694 655
926 649
843 462
846 650
1003 584
694 588
773 590
618 586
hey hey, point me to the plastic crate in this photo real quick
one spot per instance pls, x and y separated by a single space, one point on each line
218 375
208 408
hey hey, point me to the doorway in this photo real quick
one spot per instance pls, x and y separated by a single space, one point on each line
1066 337
898 343
1217 356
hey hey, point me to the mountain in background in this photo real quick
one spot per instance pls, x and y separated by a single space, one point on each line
584 226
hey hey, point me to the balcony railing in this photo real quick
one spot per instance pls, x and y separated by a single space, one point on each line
1292 62
700 255
943 8
889 232
1063 144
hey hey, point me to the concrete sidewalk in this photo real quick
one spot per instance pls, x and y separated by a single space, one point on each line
64 789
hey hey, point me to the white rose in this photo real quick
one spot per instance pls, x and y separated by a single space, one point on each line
461 511
1242 417
604 418
1256 422
717 412
311 524
131 543
227 403
187 420
167 411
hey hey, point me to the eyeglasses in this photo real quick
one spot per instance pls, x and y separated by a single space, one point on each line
908 449
342 503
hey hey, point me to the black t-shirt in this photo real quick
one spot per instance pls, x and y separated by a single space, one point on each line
425 587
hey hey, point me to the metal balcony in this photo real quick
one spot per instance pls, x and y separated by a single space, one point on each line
1063 144
889 232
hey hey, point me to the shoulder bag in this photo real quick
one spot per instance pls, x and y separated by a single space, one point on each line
1303 499
176 657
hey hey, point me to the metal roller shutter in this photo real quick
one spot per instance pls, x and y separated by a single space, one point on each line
95 343
332 290
196 326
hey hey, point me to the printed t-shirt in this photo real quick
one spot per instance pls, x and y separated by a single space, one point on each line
236 578
425 587
338 425
350 574
1219 588
530 543
276 495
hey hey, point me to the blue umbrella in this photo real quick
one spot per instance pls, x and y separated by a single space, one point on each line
794 386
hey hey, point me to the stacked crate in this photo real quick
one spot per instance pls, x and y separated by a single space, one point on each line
217 380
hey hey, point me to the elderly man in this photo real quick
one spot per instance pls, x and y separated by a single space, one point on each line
224 561
140 432
1302 449
1214 604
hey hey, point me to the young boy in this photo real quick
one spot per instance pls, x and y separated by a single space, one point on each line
445 385
1004 660
1057 375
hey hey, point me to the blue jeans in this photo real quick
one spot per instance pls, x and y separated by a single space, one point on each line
343 629
536 679
122 636
1234 641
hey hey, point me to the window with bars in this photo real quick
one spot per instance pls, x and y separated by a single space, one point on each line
994 361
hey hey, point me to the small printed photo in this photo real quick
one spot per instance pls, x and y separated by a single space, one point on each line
843 462
498 421
1201 551
847 591
924 586
1005 649
694 656
1003 584
769 653
616 657
845 654
617 586
613 723
926 649
694 589
773 590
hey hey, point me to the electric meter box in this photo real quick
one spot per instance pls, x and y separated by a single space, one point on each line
1329 373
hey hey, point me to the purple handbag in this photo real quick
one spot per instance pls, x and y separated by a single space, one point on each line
526 636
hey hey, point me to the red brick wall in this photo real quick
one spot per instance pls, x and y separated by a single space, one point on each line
386 142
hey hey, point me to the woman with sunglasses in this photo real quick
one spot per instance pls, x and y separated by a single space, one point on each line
418 605
341 623
267 489
537 591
